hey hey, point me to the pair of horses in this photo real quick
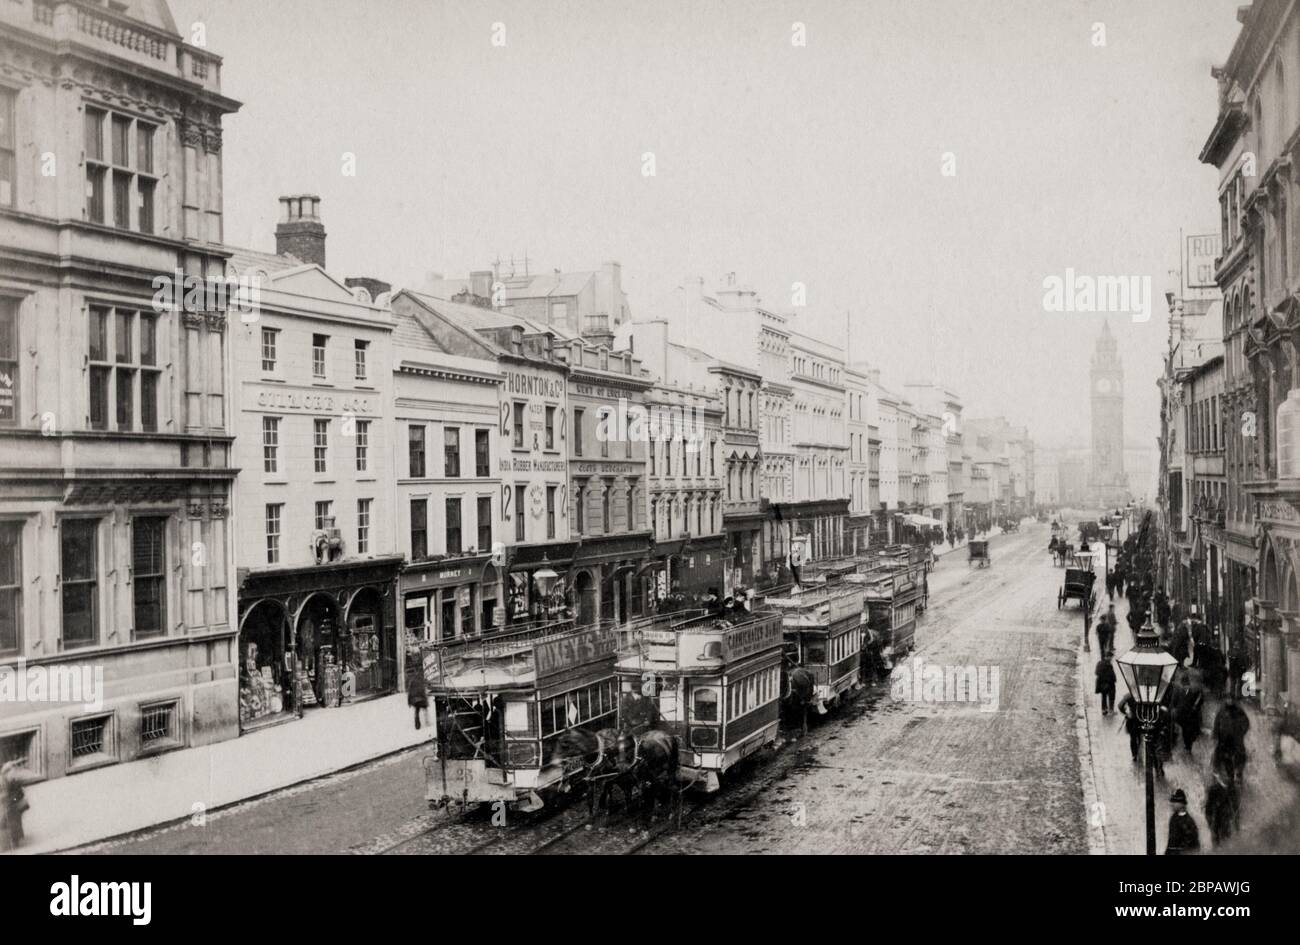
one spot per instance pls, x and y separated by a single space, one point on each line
643 765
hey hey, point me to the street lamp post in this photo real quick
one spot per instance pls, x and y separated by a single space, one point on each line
1147 670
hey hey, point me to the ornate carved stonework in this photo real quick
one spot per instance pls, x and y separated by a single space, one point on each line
193 319
212 140
218 510
216 321
191 133
1277 510
114 89
195 510
123 492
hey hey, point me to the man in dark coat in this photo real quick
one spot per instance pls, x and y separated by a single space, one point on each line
1184 837
1182 642
1106 627
1162 608
1105 673
1231 723
1188 714
1221 803
1128 709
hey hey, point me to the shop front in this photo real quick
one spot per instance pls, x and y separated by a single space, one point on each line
686 573
609 578
315 637
537 584
743 541
857 533
1278 613
446 600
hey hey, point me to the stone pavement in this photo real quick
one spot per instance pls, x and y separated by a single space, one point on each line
106 802
1114 789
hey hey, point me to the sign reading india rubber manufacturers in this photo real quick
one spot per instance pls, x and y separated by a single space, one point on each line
555 656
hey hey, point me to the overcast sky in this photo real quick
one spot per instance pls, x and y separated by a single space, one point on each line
818 164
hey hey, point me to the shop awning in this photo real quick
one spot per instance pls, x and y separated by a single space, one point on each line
924 521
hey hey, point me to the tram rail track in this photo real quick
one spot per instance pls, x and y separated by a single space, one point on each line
554 832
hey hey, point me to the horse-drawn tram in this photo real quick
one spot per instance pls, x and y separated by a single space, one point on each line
502 703
715 683
823 634
894 595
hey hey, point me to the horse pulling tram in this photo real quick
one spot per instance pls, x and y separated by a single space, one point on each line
894 593
823 635
715 684
504 700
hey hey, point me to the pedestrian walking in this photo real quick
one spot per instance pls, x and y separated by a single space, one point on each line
1189 712
1182 642
1162 608
1128 709
417 695
1184 837
1106 628
1105 673
1222 802
13 804
1231 723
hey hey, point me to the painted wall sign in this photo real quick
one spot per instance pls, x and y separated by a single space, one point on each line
308 400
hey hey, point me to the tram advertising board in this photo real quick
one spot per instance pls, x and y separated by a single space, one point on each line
575 649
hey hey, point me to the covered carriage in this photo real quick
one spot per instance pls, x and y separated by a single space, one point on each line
1077 586
978 554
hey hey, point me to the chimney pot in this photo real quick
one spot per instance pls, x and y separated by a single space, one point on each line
300 232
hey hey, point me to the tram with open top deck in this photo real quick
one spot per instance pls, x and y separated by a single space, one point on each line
714 682
822 625
894 592
502 701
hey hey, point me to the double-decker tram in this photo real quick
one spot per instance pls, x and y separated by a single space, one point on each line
822 627
502 702
714 683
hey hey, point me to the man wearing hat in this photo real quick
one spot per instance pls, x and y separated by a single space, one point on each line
1183 834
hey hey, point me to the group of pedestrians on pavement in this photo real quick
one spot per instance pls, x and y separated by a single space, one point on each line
1201 669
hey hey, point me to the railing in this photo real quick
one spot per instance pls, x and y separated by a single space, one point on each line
43 12
121 34
509 651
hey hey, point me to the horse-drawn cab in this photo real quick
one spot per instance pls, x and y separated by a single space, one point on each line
823 634
714 683
502 703
1077 586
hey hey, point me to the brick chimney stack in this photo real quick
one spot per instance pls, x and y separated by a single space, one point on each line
300 232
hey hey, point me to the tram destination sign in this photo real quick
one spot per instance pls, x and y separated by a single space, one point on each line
752 638
555 656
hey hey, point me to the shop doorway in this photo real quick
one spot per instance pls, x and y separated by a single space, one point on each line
319 643
265 661
585 587
367 656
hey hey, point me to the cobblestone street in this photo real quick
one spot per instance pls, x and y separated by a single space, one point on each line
881 775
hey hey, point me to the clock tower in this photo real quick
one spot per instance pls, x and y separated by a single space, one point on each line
1107 483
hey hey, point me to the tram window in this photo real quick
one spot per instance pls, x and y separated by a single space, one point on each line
517 716
815 652
706 705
